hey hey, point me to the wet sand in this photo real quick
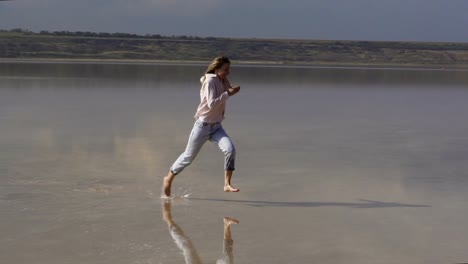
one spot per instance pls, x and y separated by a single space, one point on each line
329 172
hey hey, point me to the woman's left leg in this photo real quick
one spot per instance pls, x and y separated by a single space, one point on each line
221 138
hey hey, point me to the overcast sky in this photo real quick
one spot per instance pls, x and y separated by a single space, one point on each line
408 20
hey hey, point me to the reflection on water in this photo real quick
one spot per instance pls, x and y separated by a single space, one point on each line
186 74
363 203
184 243
84 148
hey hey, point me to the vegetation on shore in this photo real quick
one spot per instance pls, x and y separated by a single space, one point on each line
24 44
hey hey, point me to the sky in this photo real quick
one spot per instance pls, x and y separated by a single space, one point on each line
392 20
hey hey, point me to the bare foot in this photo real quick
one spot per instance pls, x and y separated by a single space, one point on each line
166 188
165 197
229 188
229 220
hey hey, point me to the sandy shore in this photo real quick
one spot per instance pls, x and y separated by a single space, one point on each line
238 63
333 172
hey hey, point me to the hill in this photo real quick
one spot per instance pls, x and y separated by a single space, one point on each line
20 44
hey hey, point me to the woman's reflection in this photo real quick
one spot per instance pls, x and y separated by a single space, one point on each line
185 244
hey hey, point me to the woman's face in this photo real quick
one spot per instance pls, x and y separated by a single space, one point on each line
223 71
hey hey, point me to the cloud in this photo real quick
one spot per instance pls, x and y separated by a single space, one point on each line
129 8
184 6
138 16
332 19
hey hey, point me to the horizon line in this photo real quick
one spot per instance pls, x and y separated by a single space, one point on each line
25 30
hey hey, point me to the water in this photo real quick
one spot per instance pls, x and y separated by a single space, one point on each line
334 165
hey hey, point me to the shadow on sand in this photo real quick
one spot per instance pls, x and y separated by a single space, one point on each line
365 204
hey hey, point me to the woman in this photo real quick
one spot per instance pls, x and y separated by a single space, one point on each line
214 93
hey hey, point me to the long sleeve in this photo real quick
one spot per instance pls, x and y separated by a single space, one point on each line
209 90
213 97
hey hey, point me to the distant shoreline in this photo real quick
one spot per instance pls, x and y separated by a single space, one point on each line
120 48
236 63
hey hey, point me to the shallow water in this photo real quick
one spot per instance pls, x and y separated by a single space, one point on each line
334 165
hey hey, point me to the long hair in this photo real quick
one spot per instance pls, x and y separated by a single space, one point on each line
217 63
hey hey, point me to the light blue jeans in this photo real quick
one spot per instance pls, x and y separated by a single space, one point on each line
202 132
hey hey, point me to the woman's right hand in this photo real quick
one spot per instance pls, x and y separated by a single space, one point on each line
233 90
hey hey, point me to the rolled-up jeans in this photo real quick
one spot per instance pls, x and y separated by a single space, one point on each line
202 132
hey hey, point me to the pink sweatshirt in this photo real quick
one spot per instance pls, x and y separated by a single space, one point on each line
213 96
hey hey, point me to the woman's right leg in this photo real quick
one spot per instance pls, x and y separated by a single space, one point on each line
198 137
